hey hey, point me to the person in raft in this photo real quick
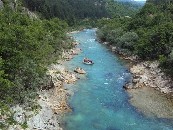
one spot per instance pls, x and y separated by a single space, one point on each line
87 60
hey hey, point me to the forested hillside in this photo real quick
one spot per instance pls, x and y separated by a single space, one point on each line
28 45
149 34
75 10
69 10
122 8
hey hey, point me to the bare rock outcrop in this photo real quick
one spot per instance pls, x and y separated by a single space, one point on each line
53 101
149 74
79 70
68 55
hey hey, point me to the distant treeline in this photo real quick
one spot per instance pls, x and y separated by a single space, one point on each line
69 10
74 10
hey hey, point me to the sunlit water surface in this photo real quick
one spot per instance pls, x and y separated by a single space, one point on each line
99 101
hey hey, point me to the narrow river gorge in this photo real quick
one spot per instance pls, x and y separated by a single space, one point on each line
98 99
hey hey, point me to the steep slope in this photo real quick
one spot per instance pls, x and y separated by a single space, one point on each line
149 34
121 8
68 9
28 45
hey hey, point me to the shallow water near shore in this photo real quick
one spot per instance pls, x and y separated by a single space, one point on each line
152 102
99 101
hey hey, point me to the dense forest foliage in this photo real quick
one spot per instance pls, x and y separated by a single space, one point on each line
69 10
148 35
115 9
122 8
29 44
74 10
27 47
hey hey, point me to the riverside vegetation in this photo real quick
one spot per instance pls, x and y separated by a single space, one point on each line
30 42
28 46
146 40
147 35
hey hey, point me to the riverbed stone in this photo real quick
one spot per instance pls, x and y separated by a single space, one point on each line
79 70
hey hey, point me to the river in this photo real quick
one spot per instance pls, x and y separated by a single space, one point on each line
99 101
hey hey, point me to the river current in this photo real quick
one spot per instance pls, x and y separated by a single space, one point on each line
99 101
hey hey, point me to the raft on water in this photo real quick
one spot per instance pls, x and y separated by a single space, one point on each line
88 61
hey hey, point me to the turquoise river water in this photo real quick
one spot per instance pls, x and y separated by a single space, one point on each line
99 101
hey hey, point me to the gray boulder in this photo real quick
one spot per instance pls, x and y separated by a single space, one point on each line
1 4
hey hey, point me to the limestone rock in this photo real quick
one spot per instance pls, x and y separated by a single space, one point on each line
113 48
79 70
149 74
19 115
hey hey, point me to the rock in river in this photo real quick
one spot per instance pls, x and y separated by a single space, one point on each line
79 70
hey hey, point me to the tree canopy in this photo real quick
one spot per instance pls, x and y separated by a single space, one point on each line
27 47
148 34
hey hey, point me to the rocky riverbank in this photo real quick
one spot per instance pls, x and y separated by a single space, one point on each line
150 90
51 99
150 75
145 73
53 102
